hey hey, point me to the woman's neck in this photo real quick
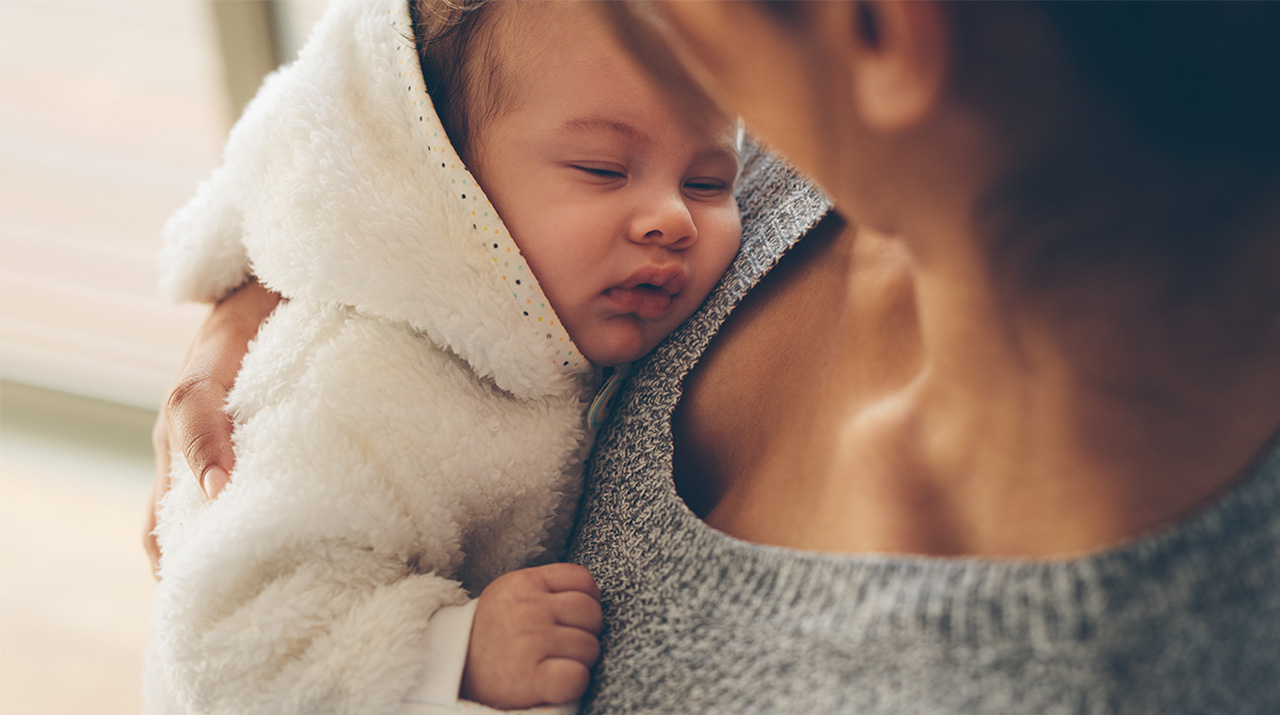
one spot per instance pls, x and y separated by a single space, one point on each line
926 416
1037 433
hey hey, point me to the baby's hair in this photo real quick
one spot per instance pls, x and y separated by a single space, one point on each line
464 72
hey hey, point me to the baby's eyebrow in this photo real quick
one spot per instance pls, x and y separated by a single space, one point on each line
603 125
727 147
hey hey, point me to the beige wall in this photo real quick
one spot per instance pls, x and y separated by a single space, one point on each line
111 111
110 114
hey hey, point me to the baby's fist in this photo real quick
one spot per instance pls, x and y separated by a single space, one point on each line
534 638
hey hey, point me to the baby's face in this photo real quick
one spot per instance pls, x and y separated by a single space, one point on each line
624 212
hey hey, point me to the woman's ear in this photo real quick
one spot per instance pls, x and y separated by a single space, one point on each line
898 59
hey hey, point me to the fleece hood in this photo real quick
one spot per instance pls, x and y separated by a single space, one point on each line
339 185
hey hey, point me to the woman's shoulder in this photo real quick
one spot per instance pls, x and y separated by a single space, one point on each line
693 611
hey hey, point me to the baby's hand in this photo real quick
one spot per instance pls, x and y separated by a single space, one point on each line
534 638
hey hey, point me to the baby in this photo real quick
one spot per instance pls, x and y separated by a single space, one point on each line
410 424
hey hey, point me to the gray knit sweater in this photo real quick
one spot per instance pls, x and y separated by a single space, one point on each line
1183 620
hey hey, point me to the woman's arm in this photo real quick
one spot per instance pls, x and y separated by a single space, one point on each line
192 420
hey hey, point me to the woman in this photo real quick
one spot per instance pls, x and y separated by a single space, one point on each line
1021 456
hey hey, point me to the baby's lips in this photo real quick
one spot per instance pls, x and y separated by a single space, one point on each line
645 301
668 279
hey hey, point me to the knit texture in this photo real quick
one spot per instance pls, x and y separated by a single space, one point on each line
1186 619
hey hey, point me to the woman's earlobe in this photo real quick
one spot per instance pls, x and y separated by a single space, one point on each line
898 61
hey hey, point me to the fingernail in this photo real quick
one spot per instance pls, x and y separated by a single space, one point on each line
213 481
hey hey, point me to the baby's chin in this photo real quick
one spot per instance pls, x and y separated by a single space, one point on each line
618 341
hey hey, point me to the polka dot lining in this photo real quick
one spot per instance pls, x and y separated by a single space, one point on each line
488 230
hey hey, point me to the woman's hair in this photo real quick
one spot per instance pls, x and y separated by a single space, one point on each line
463 72
1140 137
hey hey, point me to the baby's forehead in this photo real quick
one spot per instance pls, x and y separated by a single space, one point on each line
524 62
726 135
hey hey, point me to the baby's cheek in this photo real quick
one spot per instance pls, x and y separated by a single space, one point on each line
726 228
728 243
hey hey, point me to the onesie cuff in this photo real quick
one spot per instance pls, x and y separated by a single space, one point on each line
447 637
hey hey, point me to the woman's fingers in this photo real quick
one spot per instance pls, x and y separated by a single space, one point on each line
160 445
198 425
192 421
200 429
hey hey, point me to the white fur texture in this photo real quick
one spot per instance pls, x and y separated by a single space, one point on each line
404 432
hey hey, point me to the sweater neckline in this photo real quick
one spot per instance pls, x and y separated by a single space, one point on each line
1054 598
1044 599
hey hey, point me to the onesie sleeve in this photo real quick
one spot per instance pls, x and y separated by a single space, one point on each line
276 600
448 638
310 584
204 256
447 641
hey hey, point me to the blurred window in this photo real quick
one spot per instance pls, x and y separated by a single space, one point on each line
110 115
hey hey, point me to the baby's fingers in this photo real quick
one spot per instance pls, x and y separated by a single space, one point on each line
573 644
561 680
578 610
562 577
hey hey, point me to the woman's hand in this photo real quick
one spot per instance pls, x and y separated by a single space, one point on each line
192 420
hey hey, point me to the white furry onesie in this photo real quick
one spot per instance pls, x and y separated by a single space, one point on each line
409 423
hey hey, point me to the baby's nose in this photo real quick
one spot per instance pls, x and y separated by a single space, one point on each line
667 224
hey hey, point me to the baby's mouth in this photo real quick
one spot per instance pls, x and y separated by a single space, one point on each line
646 301
649 292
